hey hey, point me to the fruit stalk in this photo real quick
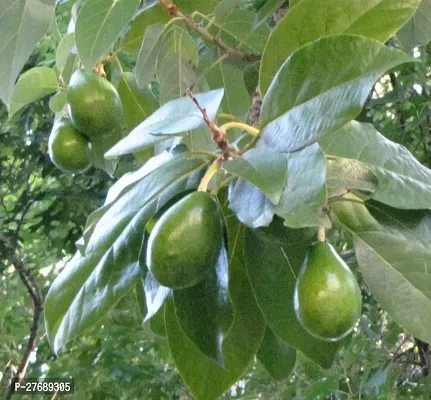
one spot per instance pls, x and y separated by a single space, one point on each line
240 125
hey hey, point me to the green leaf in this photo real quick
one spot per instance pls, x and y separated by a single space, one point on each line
293 3
178 53
33 85
152 14
23 23
89 286
392 249
267 10
147 58
237 28
140 298
138 103
241 342
321 87
231 77
99 24
249 204
204 311
53 29
264 168
64 52
305 191
175 117
313 19
350 174
156 295
402 181
417 31
100 145
58 101
272 270
199 139
276 356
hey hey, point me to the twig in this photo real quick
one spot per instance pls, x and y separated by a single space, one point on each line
174 11
37 298
218 134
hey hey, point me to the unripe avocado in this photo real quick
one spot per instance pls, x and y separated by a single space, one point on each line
185 243
327 296
68 149
94 105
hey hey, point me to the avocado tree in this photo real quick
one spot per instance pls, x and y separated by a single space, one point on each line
240 139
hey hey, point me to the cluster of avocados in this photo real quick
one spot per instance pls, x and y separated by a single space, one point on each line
184 244
94 108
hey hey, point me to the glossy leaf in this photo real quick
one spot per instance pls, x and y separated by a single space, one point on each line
231 77
272 270
267 10
402 181
321 87
153 13
58 101
237 28
313 19
350 174
177 56
276 356
63 53
99 24
305 191
241 342
33 85
147 58
204 311
100 145
264 168
140 297
90 285
175 117
23 23
392 249
138 102
417 31
249 204
155 295
199 139
149 15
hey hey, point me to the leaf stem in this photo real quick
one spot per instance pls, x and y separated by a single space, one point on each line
230 117
211 171
240 125
321 234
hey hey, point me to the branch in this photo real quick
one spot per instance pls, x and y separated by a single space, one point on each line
219 135
37 298
174 11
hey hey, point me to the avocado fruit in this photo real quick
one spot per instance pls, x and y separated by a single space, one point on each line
68 149
185 243
327 297
93 104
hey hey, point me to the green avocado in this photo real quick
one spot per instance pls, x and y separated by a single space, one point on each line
327 296
185 242
68 149
94 105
